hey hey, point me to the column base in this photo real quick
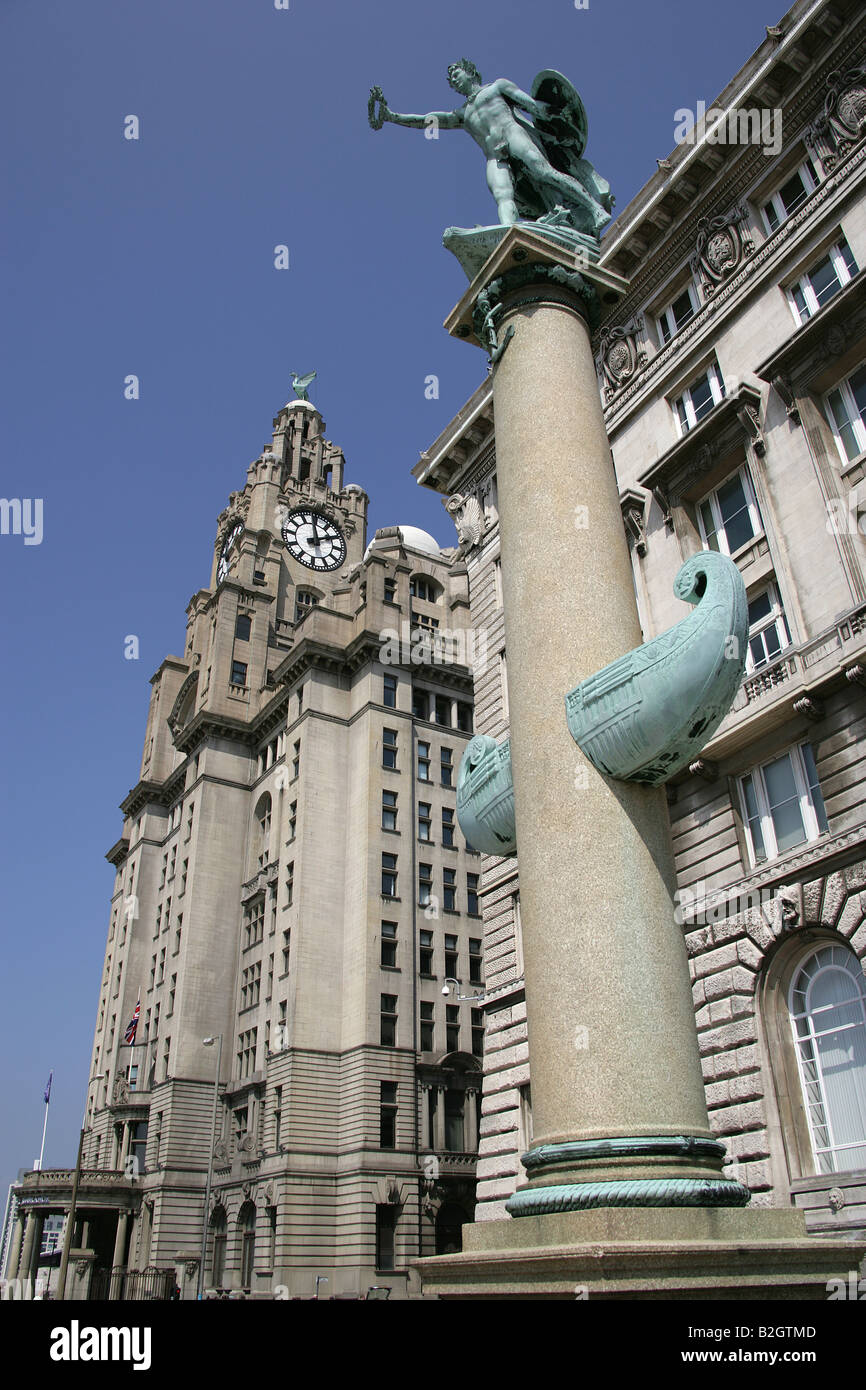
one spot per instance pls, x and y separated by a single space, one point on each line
641 1192
645 1254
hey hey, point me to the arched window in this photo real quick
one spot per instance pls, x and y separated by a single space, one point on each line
263 830
247 1232
828 1015
218 1226
305 599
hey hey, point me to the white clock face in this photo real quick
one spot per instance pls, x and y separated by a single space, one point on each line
223 566
314 539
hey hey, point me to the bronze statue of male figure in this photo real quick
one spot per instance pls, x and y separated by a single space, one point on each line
532 170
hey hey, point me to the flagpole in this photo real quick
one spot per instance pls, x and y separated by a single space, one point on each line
38 1165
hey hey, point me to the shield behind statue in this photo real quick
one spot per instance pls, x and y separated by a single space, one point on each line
563 133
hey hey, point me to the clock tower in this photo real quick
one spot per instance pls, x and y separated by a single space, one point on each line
292 886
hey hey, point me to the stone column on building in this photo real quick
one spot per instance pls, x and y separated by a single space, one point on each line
470 1123
117 1259
26 1260
439 1120
15 1246
622 1149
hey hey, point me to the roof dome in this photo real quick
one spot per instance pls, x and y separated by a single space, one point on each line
414 539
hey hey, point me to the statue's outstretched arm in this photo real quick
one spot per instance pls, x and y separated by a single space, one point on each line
446 120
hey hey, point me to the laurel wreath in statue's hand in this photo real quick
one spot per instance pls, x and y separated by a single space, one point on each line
374 116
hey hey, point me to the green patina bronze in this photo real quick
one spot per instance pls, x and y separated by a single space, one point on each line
641 1192
641 1146
647 715
535 168
485 796
640 719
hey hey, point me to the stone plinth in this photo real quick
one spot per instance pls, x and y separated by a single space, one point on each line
662 1253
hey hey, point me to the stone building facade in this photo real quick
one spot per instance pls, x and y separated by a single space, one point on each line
291 884
733 379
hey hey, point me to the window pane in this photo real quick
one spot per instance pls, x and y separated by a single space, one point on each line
734 508
682 310
702 397
825 281
784 803
792 194
754 819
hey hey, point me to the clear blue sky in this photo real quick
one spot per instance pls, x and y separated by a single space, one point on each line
155 257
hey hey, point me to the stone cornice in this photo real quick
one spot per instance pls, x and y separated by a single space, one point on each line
673 352
674 248
118 852
827 334
720 431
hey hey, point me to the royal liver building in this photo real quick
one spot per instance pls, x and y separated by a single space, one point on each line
733 379
291 894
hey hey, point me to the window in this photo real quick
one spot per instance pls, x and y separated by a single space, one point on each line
296 759
247 1230
451 957
425 620
239 673
699 398
389 691
254 923
828 1017
251 983
278 1116
304 602
388 1020
475 961
386 1226
389 810
454 1119
389 875
425 953
293 820
161 973
503 683
171 995
464 717
246 1053
472 895
425 589
218 1258
283 1025
390 591
447 827
443 711
477 1033
389 749
177 934
287 942
782 805
263 817
424 821
676 315
183 877
819 284
243 627
420 703
768 629
425 884
423 762
427 1026
388 946
792 194
846 407
189 818
387 1114
729 516
446 766
449 890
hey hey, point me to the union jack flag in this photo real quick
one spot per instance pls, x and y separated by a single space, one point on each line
132 1026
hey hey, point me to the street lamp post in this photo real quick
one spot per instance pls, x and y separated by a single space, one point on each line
209 1042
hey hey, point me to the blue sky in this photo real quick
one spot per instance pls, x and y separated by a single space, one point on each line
156 257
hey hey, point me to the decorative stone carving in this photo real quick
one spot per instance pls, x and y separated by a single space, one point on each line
785 912
81 1267
808 705
485 796
835 1199
842 123
191 1268
174 721
237 510
782 386
220 1150
721 247
121 1091
468 518
619 355
633 506
703 768
748 418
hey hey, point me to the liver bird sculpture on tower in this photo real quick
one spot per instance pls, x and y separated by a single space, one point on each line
300 384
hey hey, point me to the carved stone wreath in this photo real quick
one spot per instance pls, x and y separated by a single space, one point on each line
842 123
620 356
721 247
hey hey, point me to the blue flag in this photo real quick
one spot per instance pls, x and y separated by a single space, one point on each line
48 1087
